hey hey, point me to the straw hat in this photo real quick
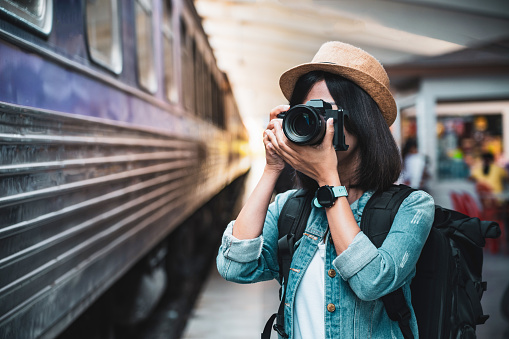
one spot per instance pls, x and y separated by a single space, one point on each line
353 64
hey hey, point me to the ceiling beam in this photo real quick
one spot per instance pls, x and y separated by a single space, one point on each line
465 27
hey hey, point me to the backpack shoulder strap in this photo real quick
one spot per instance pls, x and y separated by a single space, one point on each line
294 210
376 223
291 225
380 211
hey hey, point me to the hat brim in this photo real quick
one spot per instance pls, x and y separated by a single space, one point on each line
378 91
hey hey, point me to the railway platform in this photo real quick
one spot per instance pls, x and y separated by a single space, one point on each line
226 310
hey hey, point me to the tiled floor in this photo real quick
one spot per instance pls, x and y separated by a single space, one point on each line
496 273
227 310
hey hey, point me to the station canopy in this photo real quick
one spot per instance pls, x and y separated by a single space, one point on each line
254 41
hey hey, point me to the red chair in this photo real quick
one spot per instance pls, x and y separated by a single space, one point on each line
465 203
491 210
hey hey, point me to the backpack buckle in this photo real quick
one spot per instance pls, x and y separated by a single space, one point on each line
280 330
402 314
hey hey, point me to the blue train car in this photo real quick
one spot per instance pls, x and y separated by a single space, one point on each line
116 126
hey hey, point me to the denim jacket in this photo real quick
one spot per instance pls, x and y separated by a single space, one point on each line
353 308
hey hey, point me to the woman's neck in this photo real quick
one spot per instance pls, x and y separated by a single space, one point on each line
347 177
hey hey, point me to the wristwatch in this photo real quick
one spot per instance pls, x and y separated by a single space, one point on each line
326 195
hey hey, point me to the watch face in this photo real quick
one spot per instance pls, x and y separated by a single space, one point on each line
325 196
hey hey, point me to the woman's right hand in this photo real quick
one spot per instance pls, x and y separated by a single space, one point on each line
274 161
249 223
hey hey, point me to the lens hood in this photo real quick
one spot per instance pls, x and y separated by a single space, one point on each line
304 125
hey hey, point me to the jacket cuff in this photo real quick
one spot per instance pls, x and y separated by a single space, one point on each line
360 253
240 250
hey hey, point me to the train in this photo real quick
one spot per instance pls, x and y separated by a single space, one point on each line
122 152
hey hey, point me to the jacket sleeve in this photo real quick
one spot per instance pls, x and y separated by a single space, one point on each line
252 260
373 273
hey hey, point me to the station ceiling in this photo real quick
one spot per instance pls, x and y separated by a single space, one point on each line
255 41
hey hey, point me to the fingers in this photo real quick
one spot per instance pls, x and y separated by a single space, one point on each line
273 160
273 122
276 138
285 149
280 138
329 133
268 136
275 131
278 109
269 146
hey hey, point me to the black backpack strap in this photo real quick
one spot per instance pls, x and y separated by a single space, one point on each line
376 223
291 225
398 310
380 211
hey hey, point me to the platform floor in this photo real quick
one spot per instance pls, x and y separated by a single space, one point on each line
226 310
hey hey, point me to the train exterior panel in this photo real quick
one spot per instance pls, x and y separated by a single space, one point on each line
99 160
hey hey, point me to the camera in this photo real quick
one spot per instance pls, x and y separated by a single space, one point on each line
306 124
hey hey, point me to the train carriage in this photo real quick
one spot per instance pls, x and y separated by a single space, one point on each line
115 127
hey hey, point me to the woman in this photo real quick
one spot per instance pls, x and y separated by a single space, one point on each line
319 302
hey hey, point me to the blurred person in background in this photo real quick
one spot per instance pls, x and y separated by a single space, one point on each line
415 166
487 173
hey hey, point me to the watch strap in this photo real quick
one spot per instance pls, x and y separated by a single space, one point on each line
337 191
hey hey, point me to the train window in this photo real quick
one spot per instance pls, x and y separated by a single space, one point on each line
36 14
215 105
103 34
169 78
208 92
198 73
187 66
218 103
145 46
220 107
204 107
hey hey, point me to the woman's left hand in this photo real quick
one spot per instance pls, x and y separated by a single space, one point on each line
319 162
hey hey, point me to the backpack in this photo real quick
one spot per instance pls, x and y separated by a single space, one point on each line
447 288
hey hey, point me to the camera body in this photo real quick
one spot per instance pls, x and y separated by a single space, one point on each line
306 124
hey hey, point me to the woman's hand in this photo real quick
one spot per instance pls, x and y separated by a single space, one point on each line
274 161
319 162
249 223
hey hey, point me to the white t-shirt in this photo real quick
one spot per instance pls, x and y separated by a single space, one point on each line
309 309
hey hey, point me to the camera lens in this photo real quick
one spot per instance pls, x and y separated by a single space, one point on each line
304 125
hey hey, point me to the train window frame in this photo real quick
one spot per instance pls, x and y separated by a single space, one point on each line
198 74
147 75
113 61
42 23
187 65
168 35
208 91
